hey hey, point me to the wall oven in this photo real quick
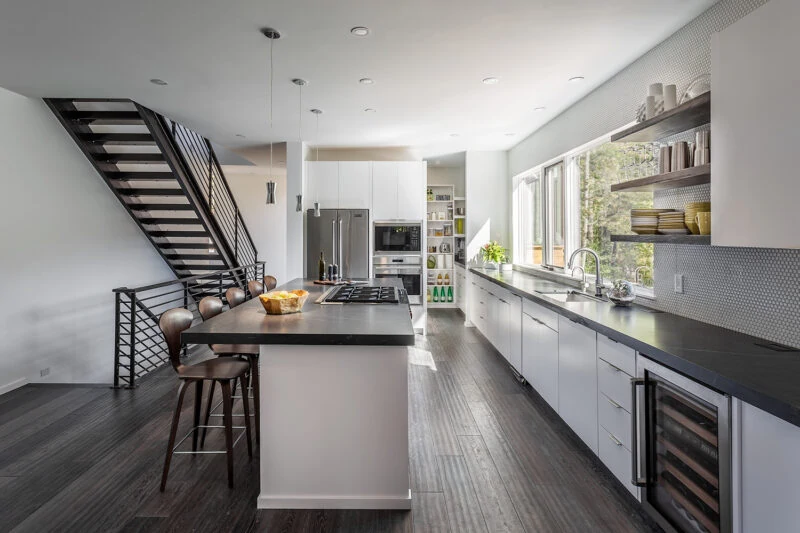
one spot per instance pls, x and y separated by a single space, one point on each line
407 268
681 450
398 237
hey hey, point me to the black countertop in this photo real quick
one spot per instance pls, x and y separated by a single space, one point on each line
347 324
725 360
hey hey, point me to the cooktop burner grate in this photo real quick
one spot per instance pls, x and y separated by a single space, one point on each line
362 294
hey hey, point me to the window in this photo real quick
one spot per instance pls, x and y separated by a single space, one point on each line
568 204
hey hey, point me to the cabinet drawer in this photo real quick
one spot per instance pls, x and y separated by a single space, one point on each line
617 354
542 314
614 419
618 459
614 383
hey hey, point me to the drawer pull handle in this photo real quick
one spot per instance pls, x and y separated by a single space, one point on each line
614 367
614 439
612 402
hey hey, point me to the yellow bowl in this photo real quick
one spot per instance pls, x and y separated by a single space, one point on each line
274 305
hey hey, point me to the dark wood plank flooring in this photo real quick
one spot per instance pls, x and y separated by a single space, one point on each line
487 455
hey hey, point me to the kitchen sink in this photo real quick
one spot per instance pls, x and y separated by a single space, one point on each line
567 296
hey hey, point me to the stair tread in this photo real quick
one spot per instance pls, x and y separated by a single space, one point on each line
92 116
184 245
119 138
178 233
160 207
141 176
189 260
129 158
138 191
169 221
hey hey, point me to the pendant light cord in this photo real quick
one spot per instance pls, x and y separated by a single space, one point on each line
271 91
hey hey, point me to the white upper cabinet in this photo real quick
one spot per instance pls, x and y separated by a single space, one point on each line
384 190
755 134
323 184
355 185
412 178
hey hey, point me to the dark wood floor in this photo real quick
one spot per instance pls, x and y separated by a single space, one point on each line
487 455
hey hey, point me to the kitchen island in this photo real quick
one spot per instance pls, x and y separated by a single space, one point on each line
334 399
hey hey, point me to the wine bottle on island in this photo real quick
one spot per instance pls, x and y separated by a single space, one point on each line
322 266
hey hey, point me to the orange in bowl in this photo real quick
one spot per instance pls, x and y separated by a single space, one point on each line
283 302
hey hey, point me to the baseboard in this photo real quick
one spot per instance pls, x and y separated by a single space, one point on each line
278 502
8 387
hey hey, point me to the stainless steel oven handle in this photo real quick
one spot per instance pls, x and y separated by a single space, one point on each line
636 478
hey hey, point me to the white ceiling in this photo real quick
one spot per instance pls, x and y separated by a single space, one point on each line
427 59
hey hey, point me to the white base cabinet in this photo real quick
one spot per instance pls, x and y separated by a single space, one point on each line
497 313
540 357
577 379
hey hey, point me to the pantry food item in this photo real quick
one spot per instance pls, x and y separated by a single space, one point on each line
283 302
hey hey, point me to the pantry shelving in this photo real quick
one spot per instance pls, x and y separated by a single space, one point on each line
440 289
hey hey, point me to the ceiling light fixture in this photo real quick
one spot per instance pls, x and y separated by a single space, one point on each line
273 35
455 135
317 113
539 109
366 81
369 110
576 79
360 31
490 81
300 82
156 81
240 136
509 134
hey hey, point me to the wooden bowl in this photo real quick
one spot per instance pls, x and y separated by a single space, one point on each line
283 306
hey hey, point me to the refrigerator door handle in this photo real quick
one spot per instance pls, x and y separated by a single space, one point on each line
636 478
333 240
341 251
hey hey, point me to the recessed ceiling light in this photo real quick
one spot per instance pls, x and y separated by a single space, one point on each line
156 81
509 134
540 109
455 135
369 110
316 111
240 136
366 81
576 79
360 31
491 81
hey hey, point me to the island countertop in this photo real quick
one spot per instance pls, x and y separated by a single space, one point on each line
348 324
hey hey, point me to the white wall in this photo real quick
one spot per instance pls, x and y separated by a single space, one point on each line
295 231
266 223
66 243
448 176
488 193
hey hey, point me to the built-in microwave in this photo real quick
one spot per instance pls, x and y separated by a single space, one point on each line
398 237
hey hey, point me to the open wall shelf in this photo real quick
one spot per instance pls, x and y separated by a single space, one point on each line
664 239
671 180
685 117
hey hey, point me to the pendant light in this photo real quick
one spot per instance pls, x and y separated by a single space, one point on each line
272 35
300 82
317 112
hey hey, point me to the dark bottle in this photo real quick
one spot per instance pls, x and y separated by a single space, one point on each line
322 266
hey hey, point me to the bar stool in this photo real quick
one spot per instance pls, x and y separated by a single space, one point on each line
209 307
270 282
222 370
255 288
235 296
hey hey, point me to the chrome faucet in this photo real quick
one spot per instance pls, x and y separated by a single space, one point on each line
583 276
636 277
598 280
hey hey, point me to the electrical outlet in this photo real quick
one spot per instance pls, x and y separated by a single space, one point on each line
44 372
679 283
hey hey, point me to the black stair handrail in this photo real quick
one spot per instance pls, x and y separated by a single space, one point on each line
202 164
139 347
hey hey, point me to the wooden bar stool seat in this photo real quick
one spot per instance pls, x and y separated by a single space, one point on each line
270 282
223 371
235 349
255 288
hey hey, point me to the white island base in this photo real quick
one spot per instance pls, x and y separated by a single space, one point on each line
334 427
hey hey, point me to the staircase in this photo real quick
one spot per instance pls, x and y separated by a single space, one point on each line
168 179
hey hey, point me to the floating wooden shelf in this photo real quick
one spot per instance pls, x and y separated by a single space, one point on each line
671 180
686 116
664 239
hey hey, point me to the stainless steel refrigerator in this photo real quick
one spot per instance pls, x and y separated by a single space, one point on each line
343 236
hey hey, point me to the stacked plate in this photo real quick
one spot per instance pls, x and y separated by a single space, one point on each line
672 223
691 210
645 221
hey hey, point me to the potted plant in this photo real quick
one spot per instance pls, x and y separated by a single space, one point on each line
493 254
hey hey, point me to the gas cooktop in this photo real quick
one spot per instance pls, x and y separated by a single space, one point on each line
362 295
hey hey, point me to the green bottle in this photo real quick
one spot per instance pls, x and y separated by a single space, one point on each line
450 294
436 294
322 266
